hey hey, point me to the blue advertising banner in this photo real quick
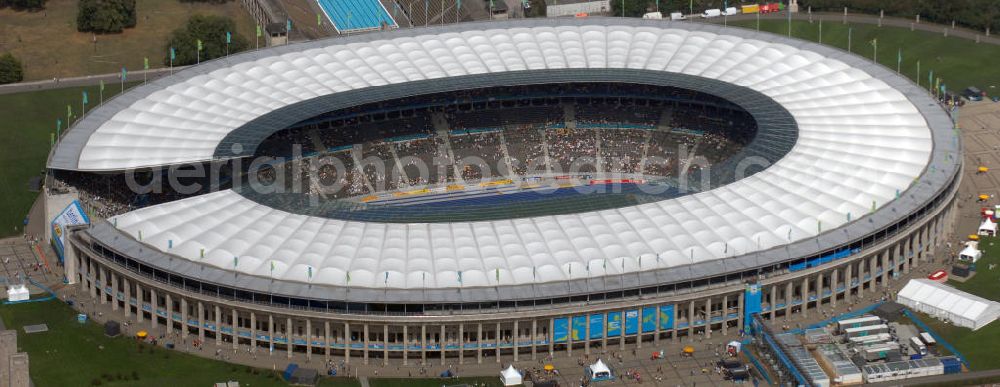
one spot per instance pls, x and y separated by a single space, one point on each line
560 330
596 326
579 327
751 303
666 317
649 319
631 322
614 324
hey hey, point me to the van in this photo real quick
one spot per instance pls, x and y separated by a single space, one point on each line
730 11
653 15
710 13
677 16
918 346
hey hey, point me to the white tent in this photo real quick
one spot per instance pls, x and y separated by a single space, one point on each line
510 377
17 293
949 304
970 252
599 371
988 228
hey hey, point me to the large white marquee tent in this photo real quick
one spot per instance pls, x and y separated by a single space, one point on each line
949 304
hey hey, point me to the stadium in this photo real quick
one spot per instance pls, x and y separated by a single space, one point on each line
509 188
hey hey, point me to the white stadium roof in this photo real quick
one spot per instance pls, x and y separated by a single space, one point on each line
861 141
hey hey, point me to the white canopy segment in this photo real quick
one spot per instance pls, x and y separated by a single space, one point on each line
510 377
971 252
949 304
861 142
988 228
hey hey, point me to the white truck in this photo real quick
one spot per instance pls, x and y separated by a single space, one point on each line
653 15
677 16
710 13
729 11
918 346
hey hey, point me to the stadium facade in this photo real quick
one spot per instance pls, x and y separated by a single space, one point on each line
863 191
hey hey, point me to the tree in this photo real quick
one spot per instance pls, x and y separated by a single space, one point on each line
30 5
211 30
10 69
105 15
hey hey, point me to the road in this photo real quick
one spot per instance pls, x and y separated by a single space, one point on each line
88 80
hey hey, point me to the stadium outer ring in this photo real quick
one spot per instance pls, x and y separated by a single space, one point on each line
907 231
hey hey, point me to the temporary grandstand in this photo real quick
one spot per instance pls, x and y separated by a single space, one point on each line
357 15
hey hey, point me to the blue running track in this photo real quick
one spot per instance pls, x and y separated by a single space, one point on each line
356 14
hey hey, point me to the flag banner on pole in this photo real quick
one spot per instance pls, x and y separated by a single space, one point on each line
288 25
69 112
229 37
145 63
173 54
124 74
85 99
102 85
259 33
199 45
319 20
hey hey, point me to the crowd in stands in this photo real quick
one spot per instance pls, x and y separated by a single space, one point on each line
472 135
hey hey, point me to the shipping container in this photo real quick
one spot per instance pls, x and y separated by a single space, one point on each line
866 331
753 8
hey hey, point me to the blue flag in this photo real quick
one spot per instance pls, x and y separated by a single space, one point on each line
173 54
229 37
124 74
288 25
85 100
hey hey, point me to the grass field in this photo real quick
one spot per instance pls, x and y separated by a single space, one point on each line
73 354
986 283
26 122
958 62
49 45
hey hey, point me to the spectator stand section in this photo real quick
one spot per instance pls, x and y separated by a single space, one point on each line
357 15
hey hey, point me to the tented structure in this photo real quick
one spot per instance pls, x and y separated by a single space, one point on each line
511 377
949 304
599 371
971 252
16 293
988 228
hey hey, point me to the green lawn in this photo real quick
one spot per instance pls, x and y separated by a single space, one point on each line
49 45
73 354
958 62
986 283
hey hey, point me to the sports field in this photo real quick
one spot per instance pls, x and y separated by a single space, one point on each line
49 45
959 63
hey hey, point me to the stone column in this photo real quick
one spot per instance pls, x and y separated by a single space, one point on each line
773 303
569 339
586 336
406 345
218 326
534 334
805 297
461 345
365 329
169 308
253 331
326 341
288 336
184 316
138 302
789 290
347 342
443 341
708 318
127 289
423 344
517 335
201 323
833 286
102 279
740 304
725 315
270 334
885 269
152 308
309 341
639 333
385 343
552 337
84 274
675 331
848 281
236 329
114 292
819 289
497 351
691 320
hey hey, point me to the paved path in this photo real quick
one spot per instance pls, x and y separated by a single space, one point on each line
110 80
